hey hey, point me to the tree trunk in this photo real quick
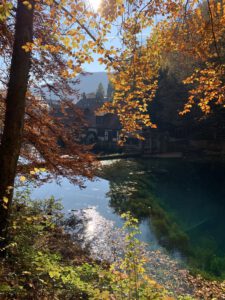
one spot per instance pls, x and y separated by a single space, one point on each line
15 109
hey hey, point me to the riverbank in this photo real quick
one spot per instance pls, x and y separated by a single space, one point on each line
44 262
182 202
113 156
179 203
206 155
107 241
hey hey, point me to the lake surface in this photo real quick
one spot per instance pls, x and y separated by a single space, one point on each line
180 205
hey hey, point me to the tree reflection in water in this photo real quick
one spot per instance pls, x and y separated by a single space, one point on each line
184 202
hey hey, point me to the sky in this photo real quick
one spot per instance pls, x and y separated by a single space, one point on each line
94 66
114 40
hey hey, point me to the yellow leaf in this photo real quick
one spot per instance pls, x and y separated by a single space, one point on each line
22 178
5 200
27 4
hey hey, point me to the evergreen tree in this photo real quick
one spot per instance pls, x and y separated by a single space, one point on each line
100 93
84 97
110 90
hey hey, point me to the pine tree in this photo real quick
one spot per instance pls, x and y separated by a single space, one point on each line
110 90
100 93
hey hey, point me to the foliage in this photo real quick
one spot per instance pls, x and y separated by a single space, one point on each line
131 280
194 37
64 39
43 262
188 39
66 36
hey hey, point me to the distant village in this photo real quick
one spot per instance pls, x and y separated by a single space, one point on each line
173 137
102 128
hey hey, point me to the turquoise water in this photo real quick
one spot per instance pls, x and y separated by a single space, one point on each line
180 204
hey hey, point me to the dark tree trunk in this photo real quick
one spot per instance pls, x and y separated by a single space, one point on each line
15 109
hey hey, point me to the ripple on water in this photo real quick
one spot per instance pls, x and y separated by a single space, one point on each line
106 242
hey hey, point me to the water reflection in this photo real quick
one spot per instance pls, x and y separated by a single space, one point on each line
180 205
106 241
94 232
184 201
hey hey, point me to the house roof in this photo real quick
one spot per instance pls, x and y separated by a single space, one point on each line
90 103
90 107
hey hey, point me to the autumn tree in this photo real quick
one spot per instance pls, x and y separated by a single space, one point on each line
197 34
60 38
15 107
189 36
50 64
134 74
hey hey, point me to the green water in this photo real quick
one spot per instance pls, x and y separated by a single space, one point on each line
185 201
180 205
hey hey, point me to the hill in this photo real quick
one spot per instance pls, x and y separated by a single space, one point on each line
88 84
